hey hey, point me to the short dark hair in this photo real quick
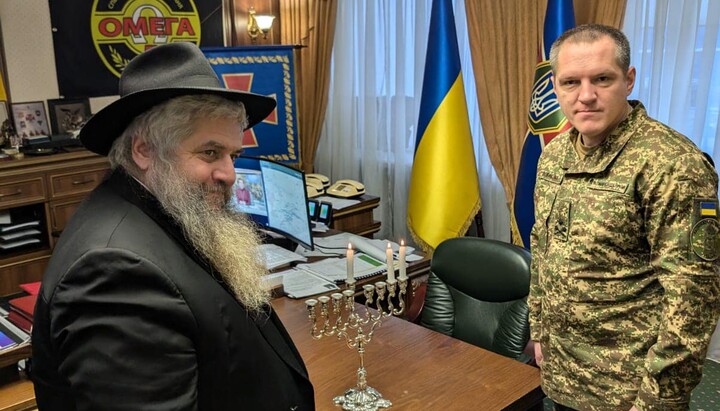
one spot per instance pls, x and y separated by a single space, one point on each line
590 33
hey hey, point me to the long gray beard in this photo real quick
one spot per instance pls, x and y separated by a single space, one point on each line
226 238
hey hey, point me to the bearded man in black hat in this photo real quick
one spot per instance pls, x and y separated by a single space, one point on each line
152 299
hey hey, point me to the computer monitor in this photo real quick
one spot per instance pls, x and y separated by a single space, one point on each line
273 195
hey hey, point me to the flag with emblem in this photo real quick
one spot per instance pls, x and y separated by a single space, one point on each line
444 191
94 40
545 121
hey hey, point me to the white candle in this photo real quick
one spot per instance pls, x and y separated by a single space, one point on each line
401 260
389 261
350 261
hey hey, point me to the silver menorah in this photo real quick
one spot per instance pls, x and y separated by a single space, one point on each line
339 318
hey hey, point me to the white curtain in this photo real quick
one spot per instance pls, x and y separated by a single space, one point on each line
369 129
676 50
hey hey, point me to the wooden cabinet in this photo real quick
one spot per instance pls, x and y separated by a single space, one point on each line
25 189
43 192
358 219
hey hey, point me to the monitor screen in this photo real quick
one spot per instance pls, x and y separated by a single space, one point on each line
273 195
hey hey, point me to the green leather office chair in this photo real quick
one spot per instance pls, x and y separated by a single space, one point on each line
477 292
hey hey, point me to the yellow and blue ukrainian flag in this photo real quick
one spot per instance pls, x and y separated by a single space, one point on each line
545 121
444 191
708 209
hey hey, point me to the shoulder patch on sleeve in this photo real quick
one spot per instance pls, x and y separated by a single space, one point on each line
707 208
705 236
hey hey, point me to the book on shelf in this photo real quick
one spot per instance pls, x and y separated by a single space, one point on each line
21 311
25 305
20 321
31 288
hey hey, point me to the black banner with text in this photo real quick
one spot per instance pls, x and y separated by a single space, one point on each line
95 39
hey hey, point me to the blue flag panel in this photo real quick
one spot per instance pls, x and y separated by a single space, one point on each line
545 121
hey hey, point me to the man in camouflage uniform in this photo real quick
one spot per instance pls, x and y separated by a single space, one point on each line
625 285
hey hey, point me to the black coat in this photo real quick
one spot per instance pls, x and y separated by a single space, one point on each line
129 318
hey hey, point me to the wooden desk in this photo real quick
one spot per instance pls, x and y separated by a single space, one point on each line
16 392
413 367
17 396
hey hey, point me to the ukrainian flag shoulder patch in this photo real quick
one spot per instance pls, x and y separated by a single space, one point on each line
708 208
705 234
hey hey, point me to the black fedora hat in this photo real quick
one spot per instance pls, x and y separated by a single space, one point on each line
155 76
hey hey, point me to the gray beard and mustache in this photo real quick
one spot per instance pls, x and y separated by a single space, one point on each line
227 239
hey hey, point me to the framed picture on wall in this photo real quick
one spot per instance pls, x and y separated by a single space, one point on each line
30 119
67 116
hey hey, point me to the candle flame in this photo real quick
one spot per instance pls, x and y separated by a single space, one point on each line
350 247
402 242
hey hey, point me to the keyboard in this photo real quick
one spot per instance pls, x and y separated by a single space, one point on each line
274 256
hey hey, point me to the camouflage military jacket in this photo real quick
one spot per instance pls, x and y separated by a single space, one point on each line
625 285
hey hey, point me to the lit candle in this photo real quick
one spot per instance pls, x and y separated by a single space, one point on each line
401 260
350 261
389 260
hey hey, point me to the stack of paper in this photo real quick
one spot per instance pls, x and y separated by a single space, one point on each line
18 235
273 256
299 283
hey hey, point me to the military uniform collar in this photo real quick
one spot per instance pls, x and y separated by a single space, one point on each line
598 161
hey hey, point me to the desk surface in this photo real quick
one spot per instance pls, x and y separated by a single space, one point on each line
413 367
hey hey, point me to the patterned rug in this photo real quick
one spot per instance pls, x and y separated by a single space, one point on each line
706 396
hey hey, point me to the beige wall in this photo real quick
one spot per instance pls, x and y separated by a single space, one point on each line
29 55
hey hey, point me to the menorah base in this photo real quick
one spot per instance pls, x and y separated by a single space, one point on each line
362 400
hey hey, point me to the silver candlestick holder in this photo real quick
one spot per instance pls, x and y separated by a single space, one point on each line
339 318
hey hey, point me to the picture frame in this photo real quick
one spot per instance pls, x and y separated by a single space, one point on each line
30 119
67 116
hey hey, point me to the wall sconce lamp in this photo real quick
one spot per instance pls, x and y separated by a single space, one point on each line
258 23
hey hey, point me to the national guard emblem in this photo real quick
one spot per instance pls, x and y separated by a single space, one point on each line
544 115
122 29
